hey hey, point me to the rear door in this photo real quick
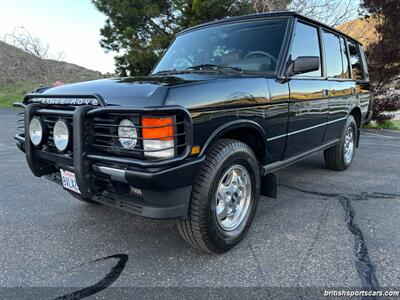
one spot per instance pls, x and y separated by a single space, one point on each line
365 87
308 106
341 86
360 77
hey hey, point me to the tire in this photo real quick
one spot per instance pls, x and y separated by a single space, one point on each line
76 196
336 157
227 165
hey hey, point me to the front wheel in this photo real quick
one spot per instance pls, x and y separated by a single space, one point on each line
224 198
340 156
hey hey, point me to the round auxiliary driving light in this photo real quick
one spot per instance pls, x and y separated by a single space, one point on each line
36 131
61 135
127 134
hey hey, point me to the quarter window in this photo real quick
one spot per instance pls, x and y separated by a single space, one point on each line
355 61
333 55
306 43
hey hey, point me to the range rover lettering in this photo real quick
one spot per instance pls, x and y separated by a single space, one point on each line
199 139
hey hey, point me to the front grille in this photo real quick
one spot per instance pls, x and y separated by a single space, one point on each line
20 124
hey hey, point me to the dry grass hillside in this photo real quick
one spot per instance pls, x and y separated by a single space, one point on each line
363 30
21 72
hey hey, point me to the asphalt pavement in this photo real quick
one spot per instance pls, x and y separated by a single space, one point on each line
326 229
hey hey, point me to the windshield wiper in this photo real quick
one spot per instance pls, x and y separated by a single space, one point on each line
202 67
214 67
166 72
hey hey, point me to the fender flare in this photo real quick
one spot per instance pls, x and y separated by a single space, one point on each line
352 107
231 126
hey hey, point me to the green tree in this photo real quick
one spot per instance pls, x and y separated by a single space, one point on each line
140 30
384 54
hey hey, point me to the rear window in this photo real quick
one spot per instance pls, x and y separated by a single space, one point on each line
333 55
355 61
336 58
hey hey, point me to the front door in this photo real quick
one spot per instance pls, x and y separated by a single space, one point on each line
309 103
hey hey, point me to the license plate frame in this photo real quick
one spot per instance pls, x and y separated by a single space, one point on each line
68 180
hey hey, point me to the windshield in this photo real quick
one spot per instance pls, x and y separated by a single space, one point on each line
247 46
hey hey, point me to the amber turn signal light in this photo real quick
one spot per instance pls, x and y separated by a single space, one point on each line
195 150
158 136
157 128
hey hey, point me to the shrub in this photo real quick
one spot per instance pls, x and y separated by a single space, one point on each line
385 103
386 125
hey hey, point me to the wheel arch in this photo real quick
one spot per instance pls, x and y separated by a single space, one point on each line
356 113
246 131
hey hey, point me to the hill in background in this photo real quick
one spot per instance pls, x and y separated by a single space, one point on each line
20 73
363 30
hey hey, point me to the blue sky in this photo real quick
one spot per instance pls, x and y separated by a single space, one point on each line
71 26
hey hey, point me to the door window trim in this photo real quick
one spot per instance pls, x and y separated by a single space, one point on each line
293 30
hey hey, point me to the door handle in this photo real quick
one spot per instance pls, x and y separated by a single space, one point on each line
325 92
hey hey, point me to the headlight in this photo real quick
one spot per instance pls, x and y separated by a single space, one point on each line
61 135
127 134
36 131
158 136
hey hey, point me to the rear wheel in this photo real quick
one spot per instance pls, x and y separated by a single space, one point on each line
340 156
224 198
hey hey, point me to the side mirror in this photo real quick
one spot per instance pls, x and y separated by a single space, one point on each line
303 64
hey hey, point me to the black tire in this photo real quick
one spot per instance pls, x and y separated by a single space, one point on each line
202 230
335 156
76 196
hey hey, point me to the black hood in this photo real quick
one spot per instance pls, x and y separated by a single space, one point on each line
131 91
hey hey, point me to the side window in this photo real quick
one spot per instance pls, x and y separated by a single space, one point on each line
333 55
355 61
306 43
345 59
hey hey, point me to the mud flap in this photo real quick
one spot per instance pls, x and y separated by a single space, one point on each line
269 185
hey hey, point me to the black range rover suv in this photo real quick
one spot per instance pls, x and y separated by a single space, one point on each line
198 140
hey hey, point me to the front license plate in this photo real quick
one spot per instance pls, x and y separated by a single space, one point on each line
69 181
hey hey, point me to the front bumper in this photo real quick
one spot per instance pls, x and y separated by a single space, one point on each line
172 203
158 189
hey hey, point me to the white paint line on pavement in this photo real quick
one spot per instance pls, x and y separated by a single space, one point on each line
381 135
375 144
